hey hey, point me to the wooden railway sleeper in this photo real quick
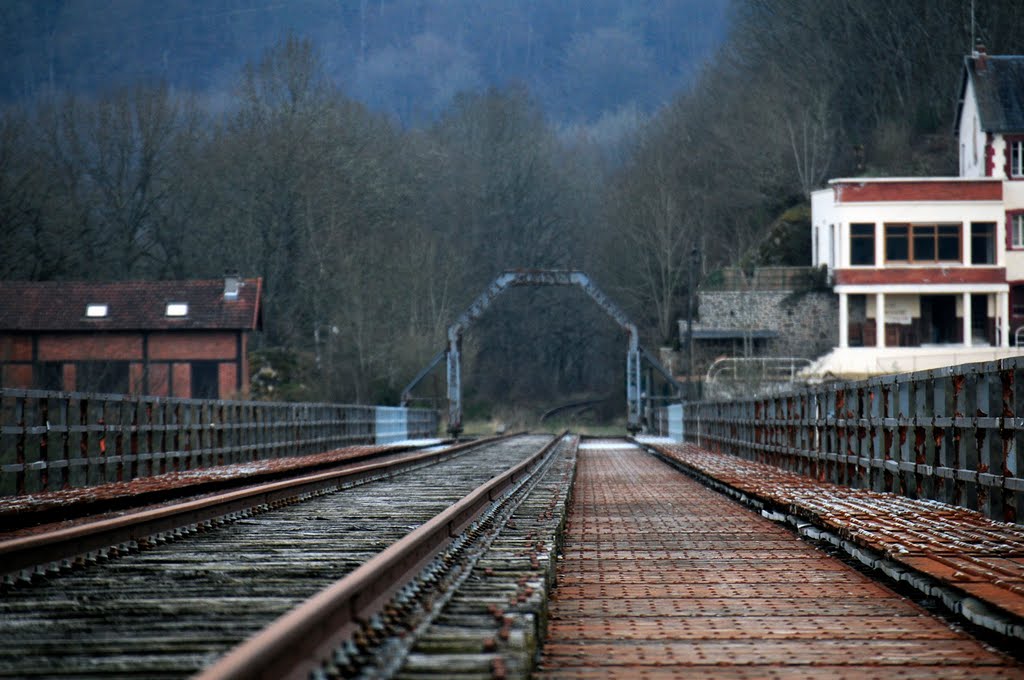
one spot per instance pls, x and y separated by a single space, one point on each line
39 573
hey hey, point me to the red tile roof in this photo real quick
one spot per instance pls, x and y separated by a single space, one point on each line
131 305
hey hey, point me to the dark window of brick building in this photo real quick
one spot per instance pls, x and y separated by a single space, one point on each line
50 375
107 377
204 380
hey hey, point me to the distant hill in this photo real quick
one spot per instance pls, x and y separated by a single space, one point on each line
583 59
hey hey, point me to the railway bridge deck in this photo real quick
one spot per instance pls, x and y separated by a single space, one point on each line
639 559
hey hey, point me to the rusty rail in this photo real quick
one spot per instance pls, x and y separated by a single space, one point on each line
301 640
57 440
953 435
64 544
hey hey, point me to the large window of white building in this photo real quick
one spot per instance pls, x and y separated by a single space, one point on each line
922 243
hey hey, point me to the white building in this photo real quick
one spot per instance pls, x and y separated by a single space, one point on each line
939 260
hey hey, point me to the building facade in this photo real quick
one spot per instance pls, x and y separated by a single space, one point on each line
162 338
929 271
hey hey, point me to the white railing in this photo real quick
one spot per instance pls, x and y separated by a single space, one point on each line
753 376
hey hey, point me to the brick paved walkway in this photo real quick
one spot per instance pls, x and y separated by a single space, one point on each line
662 577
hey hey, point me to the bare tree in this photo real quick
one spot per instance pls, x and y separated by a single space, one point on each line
32 249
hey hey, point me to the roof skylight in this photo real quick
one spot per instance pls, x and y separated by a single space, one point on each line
177 309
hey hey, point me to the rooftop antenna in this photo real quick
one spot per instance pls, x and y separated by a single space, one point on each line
974 44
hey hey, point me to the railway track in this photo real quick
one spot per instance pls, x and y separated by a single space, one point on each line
22 515
173 609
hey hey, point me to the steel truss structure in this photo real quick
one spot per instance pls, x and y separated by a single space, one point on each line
635 395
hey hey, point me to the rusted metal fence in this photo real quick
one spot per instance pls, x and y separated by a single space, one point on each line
953 435
55 440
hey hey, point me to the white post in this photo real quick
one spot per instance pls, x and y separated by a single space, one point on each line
1003 307
968 340
879 319
965 230
879 244
844 321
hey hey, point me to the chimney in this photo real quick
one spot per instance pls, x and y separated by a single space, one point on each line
232 282
980 58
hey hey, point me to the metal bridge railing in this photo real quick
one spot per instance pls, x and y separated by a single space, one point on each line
753 376
953 435
56 440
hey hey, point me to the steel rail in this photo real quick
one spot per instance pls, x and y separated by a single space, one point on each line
298 642
28 552
14 518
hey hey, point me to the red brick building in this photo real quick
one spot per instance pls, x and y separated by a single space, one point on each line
163 338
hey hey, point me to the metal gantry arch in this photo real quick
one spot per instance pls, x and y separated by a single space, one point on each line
539 277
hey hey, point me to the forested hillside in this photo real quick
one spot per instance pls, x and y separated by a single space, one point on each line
387 231
581 59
